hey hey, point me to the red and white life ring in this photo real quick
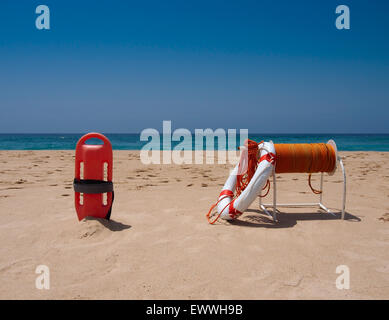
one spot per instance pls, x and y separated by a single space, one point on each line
228 209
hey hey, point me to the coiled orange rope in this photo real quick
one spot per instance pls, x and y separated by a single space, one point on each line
242 180
305 157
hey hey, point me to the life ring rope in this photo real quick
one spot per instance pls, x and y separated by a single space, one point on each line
209 216
267 185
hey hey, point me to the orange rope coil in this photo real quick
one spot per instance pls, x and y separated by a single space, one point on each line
305 157
242 180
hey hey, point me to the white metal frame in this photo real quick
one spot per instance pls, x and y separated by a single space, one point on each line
319 204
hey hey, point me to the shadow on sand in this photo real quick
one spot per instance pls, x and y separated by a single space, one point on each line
112 225
287 220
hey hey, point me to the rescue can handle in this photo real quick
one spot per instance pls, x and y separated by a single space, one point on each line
94 135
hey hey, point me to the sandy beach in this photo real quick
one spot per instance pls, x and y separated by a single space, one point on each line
159 245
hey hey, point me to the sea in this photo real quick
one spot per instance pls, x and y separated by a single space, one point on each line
132 141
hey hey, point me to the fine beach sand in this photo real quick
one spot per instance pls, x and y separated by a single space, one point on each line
159 245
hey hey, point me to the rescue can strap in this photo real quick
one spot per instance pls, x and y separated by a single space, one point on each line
92 186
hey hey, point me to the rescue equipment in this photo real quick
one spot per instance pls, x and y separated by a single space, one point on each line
280 158
92 184
248 178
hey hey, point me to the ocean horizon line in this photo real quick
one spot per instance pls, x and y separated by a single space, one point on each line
138 133
131 141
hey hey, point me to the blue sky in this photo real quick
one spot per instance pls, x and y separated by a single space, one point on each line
266 66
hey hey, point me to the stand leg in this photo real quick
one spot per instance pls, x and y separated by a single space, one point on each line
274 196
344 188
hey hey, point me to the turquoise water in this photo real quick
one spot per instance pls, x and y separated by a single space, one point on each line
345 142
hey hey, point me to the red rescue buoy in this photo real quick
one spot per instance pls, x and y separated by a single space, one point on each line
92 184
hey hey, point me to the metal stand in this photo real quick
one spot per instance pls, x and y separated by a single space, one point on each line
319 204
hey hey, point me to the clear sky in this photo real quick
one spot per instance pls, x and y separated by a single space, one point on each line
266 66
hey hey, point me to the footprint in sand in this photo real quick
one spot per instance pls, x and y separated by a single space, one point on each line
65 195
385 217
90 227
189 185
88 234
140 170
20 181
